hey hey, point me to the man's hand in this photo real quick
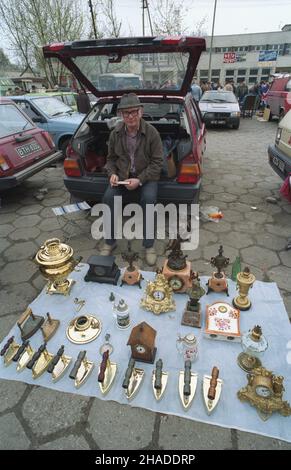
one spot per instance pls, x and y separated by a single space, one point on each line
113 180
133 183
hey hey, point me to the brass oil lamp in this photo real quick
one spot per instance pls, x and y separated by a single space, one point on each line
55 260
245 281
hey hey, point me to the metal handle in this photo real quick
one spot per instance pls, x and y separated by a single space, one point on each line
213 382
36 356
128 373
55 359
3 351
103 366
74 371
187 379
20 351
158 375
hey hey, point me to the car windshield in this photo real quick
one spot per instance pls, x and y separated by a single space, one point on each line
149 71
12 121
51 106
220 96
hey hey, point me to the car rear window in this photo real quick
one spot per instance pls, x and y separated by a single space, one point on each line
12 121
225 97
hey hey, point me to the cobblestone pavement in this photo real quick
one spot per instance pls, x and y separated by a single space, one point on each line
237 179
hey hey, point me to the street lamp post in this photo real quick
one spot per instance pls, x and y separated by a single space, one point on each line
211 42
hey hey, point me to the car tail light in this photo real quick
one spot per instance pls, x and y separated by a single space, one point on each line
71 167
48 139
3 164
189 171
57 46
278 135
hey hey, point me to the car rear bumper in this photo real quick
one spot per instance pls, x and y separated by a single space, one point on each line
7 182
280 163
88 188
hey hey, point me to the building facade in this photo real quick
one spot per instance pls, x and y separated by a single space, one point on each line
247 57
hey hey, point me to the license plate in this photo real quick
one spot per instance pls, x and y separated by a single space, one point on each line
28 149
279 164
217 122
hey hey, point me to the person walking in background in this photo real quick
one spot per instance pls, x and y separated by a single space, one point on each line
241 91
83 102
196 91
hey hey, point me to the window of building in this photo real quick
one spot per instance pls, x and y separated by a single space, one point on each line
215 72
252 79
253 71
265 78
203 73
229 73
241 72
266 71
218 49
252 48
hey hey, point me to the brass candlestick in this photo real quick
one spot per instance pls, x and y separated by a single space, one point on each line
55 260
245 281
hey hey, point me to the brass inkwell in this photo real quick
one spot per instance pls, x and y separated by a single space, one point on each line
83 329
218 281
245 281
56 262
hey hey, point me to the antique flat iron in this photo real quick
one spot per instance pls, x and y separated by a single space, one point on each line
29 323
9 350
23 355
159 380
132 379
81 370
39 361
212 387
49 327
59 364
187 385
107 373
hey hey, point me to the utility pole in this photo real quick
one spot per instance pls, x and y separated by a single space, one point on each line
144 6
93 18
211 42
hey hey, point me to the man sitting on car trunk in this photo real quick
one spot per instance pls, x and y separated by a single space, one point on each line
135 156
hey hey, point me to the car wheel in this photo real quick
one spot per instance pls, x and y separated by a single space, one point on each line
235 126
281 115
63 146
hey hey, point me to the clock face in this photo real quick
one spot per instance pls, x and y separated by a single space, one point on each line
99 270
140 349
176 283
158 295
263 391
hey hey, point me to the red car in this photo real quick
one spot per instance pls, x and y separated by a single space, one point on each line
24 148
160 71
278 97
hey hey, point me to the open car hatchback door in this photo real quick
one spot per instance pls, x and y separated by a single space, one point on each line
163 65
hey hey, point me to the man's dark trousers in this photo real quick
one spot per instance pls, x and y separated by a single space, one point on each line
145 194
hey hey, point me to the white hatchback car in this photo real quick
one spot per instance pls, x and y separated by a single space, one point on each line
220 107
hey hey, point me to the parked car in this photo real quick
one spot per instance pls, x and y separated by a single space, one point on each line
280 152
51 115
220 107
24 148
278 98
172 112
67 97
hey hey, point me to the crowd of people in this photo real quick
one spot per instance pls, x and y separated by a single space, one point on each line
241 90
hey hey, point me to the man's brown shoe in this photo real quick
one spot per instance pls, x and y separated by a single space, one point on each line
150 256
106 249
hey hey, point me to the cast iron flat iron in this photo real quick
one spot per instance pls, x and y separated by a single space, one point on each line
107 373
59 364
159 380
29 323
9 350
39 361
23 355
132 379
81 370
187 385
212 387
49 327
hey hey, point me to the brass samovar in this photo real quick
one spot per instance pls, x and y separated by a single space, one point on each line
55 260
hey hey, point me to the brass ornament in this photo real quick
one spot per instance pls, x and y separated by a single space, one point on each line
176 269
158 298
131 275
245 281
218 280
192 312
55 260
265 391
83 329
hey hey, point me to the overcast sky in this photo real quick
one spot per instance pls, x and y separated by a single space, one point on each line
232 16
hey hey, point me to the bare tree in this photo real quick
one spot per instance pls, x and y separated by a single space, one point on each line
30 24
111 25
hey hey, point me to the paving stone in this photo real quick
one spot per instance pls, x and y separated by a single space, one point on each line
26 221
248 227
121 426
20 251
54 201
12 435
5 229
267 240
281 275
50 225
259 257
4 244
238 190
47 411
238 239
17 272
10 392
219 227
184 434
16 297
6 218
9 208
226 197
259 217
231 216
70 442
28 210
248 441
24 234
213 188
